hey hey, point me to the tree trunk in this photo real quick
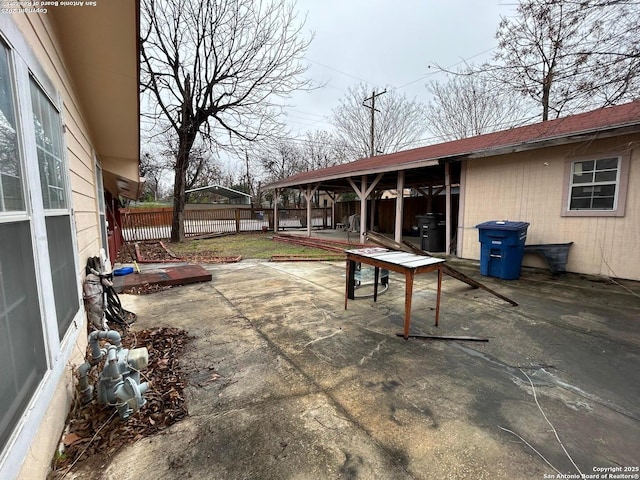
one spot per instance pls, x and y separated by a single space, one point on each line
182 162
546 96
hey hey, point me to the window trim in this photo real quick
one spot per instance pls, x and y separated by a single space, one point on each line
621 184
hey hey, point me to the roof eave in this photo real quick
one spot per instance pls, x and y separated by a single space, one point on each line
587 135
357 173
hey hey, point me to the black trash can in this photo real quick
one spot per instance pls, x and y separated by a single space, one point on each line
432 232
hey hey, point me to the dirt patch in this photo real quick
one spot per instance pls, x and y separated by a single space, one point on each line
158 252
94 433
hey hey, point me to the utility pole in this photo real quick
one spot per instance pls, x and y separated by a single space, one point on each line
373 114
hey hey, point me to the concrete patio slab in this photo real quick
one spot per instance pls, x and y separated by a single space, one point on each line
286 384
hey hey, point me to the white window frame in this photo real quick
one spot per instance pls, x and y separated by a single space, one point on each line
101 207
24 64
621 184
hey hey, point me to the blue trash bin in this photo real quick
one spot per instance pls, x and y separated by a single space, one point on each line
502 248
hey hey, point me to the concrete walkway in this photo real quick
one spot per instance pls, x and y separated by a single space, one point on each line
286 384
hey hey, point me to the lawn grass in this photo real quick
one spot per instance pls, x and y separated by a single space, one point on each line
247 245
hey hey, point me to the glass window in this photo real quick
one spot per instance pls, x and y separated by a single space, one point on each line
594 184
22 353
11 196
48 129
63 270
101 208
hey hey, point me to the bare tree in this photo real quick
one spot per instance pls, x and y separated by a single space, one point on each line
153 169
469 103
214 69
280 160
399 122
322 149
569 55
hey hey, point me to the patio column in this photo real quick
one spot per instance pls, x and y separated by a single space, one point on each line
332 196
399 208
363 192
363 208
308 195
447 209
275 211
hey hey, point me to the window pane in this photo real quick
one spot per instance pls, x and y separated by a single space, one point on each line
22 353
607 164
583 177
603 203
63 272
581 167
608 176
49 143
11 196
605 191
580 203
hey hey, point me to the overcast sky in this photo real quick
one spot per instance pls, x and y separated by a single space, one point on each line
388 43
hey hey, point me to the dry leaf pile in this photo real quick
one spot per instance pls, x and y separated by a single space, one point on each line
95 432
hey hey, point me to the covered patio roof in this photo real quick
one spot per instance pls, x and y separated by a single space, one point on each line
227 192
418 163
438 165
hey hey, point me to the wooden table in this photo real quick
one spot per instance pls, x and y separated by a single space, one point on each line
408 264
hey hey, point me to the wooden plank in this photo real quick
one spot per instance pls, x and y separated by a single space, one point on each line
474 283
387 242
444 337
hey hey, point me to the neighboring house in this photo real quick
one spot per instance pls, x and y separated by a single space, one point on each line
69 131
574 179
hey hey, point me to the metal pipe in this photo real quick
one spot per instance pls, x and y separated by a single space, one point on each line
86 390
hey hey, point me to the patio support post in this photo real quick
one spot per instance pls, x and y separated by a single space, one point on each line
363 192
276 225
363 209
447 209
332 196
399 207
373 212
308 195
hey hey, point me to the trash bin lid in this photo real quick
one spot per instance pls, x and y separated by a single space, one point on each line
502 225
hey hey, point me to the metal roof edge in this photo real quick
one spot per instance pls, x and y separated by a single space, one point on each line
427 162
624 128
565 139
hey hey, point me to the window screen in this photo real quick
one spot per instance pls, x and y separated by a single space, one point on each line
63 270
22 353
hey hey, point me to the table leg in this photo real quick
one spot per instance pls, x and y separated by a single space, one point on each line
408 294
438 295
350 282
376 276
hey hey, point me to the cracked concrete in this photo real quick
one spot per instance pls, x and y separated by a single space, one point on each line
286 384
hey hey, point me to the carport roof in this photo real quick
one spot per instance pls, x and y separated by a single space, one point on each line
220 190
602 123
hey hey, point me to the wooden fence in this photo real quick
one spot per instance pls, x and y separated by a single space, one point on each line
141 224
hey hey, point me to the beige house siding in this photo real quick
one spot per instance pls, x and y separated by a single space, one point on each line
39 34
529 186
